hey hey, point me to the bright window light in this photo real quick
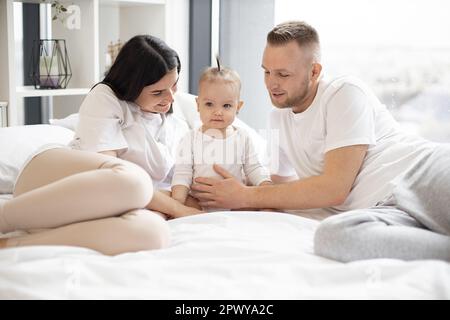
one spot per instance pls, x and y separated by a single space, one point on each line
400 48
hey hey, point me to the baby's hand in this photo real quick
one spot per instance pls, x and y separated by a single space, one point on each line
189 211
192 202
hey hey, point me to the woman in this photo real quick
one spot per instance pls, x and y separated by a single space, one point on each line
98 200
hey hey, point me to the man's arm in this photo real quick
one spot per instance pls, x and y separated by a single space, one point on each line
281 179
331 188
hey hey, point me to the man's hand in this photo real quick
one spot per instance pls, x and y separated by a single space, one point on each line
227 193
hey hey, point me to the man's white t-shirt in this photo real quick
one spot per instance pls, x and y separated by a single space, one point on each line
146 139
345 113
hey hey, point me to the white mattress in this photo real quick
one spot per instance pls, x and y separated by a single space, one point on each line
222 255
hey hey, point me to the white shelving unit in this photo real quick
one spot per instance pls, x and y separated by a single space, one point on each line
30 91
101 22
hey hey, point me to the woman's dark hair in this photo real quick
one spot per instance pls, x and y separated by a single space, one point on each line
142 61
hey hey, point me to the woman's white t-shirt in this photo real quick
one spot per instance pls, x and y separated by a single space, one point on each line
344 113
146 139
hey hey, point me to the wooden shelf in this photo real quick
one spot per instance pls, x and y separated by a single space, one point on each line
30 91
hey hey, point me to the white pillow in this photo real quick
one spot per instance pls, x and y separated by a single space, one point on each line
185 107
69 122
19 142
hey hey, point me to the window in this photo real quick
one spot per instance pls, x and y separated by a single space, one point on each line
400 48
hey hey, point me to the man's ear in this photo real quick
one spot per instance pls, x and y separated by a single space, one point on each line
196 101
316 70
240 105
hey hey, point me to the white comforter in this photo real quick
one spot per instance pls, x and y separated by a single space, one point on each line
222 255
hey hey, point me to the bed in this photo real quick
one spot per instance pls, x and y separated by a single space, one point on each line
220 255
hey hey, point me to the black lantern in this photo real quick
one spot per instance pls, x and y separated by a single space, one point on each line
50 66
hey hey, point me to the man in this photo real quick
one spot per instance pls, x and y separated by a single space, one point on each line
341 150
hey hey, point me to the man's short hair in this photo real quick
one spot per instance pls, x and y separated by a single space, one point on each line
299 31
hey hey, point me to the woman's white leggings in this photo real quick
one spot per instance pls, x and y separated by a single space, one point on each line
83 199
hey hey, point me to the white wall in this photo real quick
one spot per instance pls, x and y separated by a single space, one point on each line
142 20
169 22
108 32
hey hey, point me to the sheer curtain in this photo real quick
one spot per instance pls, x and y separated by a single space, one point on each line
400 48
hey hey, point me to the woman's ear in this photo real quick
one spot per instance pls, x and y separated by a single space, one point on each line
196 101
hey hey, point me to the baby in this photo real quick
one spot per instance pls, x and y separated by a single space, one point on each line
217 141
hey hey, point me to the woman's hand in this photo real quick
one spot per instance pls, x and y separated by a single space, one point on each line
227 193
164 203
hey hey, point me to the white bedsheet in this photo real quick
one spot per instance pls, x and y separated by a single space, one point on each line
221 255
